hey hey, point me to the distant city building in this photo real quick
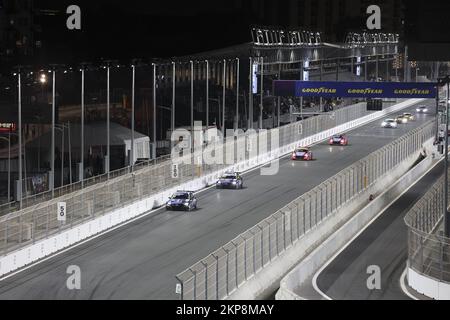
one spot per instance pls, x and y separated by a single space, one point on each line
333 17
19 40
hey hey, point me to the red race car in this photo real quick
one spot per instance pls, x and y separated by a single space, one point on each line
339 139
302 154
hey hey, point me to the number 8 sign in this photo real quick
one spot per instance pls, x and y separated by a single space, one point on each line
62 211
175 173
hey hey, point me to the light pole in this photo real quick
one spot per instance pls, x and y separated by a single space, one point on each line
237 93
446 212
172 127
261 107
154 111
406 75
207 95
250 95
19 129
192 104
70 153
108 148
133 82
223 96
81 173
52 165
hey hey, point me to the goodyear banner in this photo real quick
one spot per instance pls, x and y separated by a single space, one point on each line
330 89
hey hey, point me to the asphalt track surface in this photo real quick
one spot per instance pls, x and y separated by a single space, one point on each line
140 260
384 244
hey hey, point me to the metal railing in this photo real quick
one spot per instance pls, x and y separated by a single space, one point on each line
39 221
428 249
35 199
226 269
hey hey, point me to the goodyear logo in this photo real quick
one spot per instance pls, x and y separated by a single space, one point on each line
365 91
319 90
413 91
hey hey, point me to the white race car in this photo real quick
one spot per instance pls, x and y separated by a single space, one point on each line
389 123
422 109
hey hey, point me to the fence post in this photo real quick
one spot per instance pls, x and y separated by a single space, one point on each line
262 246
48 222
6 236
182 287
217 276
245 259
206 279
227 272
441 258
195 283
284 229
236 264
254 253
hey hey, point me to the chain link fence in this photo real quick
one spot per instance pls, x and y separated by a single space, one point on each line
39 221
223 271
428 249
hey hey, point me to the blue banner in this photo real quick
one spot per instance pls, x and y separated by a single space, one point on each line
331 89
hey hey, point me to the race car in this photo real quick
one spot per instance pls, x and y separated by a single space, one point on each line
422 109
230 180
389 123
401 119
338 139
408 116
302 154
182 200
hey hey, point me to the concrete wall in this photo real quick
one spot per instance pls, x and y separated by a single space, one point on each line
428 286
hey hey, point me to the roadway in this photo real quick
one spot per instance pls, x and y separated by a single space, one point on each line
140 260
384 244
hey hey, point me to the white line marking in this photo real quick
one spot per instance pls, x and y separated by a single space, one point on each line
403 286
316 275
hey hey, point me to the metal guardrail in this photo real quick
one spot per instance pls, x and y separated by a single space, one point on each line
226 269
69 188
39 221
428 250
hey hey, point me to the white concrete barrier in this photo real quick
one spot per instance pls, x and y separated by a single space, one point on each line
427 286
66 238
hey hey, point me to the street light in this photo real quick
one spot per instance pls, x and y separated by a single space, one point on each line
43 78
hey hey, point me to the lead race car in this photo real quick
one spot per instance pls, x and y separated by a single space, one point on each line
338 139
182 200
389 123
302 154
422 109
230 180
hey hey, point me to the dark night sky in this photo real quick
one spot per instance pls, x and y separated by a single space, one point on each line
125 29
148 28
